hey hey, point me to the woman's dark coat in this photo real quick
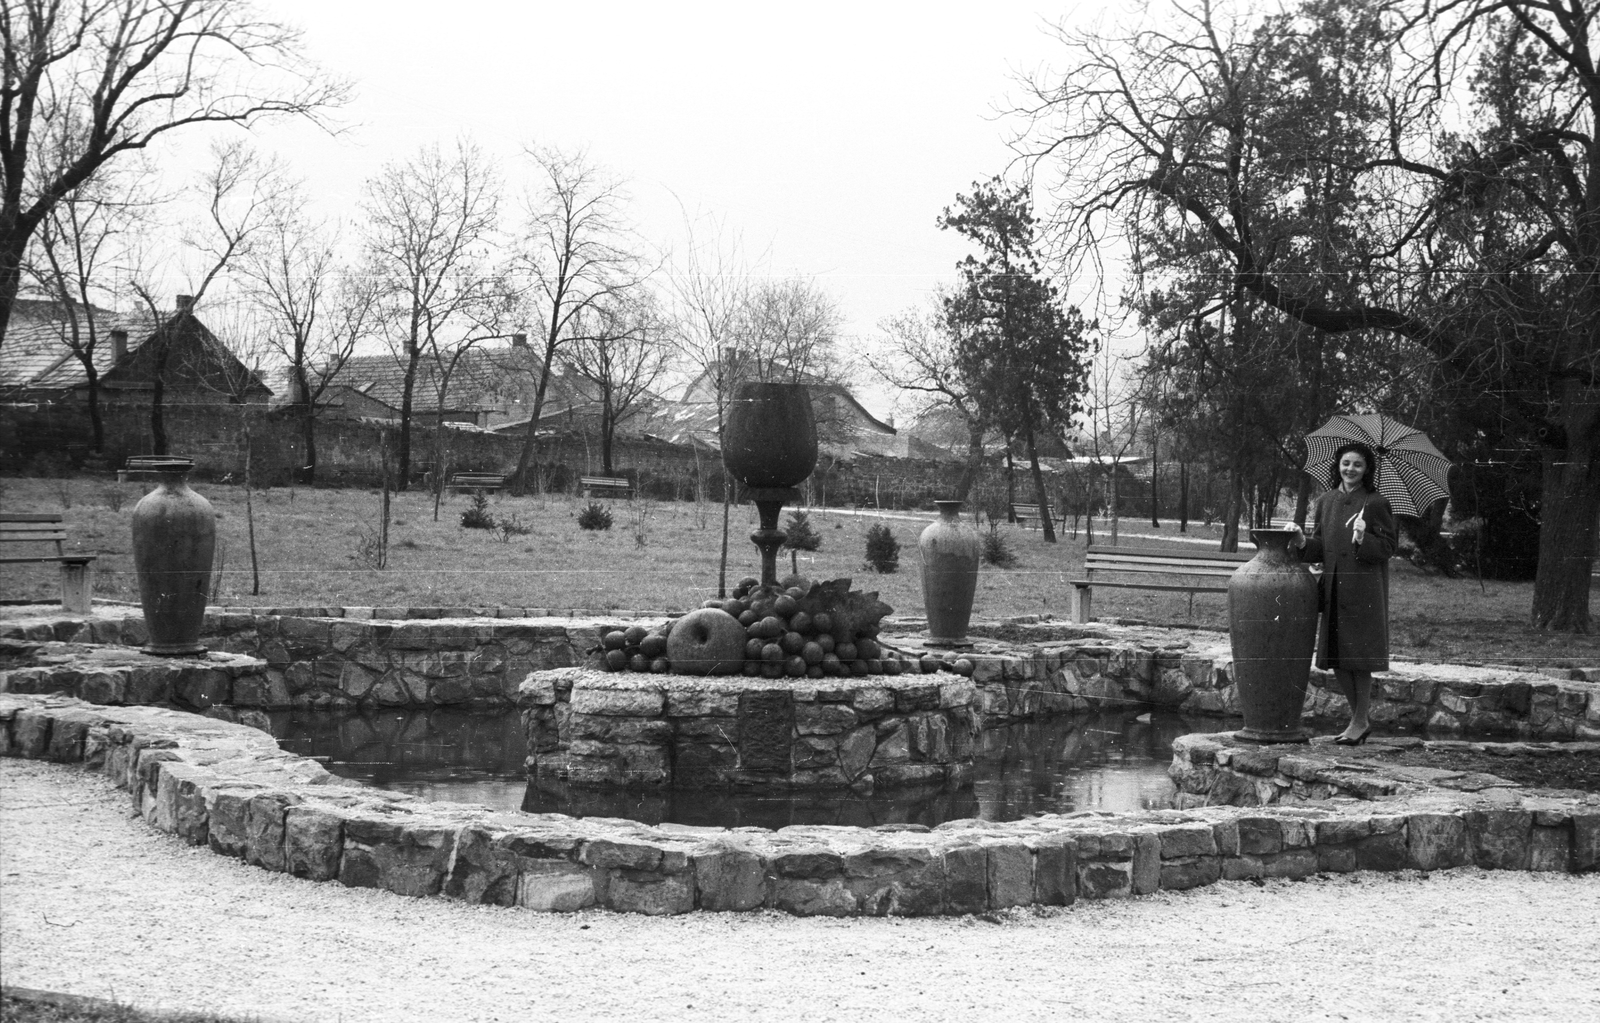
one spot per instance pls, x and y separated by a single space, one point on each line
1354 632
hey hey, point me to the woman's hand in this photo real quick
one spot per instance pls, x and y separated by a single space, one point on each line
1359 531
1299 540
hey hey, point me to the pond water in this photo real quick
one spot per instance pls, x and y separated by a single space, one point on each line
1114 762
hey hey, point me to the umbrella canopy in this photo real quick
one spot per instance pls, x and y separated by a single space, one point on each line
1412 473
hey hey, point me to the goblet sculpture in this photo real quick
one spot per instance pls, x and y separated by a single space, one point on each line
769 443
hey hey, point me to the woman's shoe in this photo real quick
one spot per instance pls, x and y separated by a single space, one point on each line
1353 740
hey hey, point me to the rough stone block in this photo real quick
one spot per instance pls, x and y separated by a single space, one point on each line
691 704
1585 841
1099 879
612 729
1185 840
30 734
813 898
1226 836
915 698
1242 868
1382 852
1336 859
1190 872
1292 863
69 729
1146 863
313 842
1340 830
1055 870
728 879
766 722
871 703
1500 838
1550 849
652 894
555 887
966 872
1010 874
180 801
824 718
407 859
611 855
638 703
264 829
1260 836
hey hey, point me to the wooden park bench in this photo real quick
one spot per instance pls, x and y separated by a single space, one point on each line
1192 570
1027 515
77 580
606 486
467 481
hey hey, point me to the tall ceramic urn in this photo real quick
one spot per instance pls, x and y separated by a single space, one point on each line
1272 622
174 537
950 552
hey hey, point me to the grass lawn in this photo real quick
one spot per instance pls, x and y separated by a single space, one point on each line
663 556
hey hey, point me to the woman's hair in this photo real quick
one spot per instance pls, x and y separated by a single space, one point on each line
1366 455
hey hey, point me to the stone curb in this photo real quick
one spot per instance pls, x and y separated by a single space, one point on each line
230 787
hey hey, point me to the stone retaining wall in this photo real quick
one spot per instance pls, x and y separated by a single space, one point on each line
229 787
1215 770
117 676
460 656
863 733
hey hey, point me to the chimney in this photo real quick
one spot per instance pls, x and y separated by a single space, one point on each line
185 303
119 344
519 340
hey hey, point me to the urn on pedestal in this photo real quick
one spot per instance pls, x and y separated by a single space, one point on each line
1272 623
174 538
950 552
769 443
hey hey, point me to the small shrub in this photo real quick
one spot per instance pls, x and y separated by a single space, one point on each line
114 496
996 550
370 549
507 528
478 516
596 516
883 550
802 537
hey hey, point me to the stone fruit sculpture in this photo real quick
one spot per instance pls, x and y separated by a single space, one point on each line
709 641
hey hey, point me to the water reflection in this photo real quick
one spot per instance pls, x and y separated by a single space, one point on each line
1112 762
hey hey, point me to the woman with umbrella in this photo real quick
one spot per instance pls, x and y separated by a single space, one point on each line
1354 537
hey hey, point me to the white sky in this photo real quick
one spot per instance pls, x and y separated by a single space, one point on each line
829 134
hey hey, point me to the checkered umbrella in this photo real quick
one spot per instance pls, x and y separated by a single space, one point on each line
1411 472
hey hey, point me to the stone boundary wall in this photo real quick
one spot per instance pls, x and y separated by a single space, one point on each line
364 657
229 787
862 733
1214 770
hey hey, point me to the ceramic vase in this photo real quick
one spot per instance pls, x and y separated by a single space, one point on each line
1272 623
950 552
174 538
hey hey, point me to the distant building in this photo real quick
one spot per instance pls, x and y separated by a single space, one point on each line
130 353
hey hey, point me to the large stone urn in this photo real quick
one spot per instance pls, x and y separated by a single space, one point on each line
1272 622
174 537
950 552
769 443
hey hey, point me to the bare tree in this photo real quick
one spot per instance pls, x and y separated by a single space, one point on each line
920 355
578 253
317 308
97 80
71 256
429 224
1115 407
623 357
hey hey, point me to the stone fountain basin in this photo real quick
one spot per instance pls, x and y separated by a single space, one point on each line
865 732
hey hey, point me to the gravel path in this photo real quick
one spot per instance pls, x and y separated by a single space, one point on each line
94 902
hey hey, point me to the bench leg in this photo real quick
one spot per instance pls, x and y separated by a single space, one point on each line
1082 598
77 583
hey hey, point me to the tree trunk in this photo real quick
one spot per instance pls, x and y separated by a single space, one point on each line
1302 500
1011 486
1183 497
12 247
413 353
974 464
1155 481
1230 514
1569 507
607 428
1116 502
1039 493
158 423
97 422
308 436
722 560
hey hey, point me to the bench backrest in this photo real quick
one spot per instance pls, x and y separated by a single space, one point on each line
1162 561
25 527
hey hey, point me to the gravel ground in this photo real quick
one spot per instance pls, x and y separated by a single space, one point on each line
94 902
